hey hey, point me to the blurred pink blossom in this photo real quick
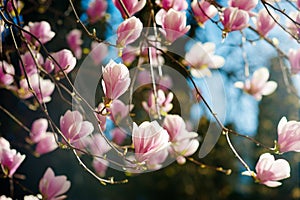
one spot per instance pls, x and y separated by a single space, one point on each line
10 160
119 111
73 127
288 136
234 19
118 135
164 103
116 80
183 142
64 58
53 187
259 84
129 31
175 4
270 171
41 30
294 58
132 6
45 140
99 52
173 24
150 143
43 88
264 22
203 10
96 10
201 58
30 63
74 41
246 5
7 72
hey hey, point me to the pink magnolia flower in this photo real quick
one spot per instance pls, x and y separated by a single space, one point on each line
150 143
270 171
129 31
116 80
234 19
73 127
164 103
7 72
173 24
65 59
183 142
53 187
246 5
132 6
10 160
201 57
29 62
43 88
291 26
45 140
288 136
119 111
175 4
4 144
42 30
259 84
298 3
294 58
99 147
96 10
129 54
74 41
101 116
99 52
118 135
203 10
264 22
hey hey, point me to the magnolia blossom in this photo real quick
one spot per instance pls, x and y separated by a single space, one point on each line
99 52
101 113
99 147
96 10
183 142
118 135
132 6
119 111
265 22
116 80
53 187
43 88
243 4
259 84
292 26
7 72
175 4
45 140
203 10
294 58
201 57
270 171
173 24
73 127
163 103
64 58
129 54
74 41
129 31
234 19
150 143
41 30
288 136
10 160
3 197
30 63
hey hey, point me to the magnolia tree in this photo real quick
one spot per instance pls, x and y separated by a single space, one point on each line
135 78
